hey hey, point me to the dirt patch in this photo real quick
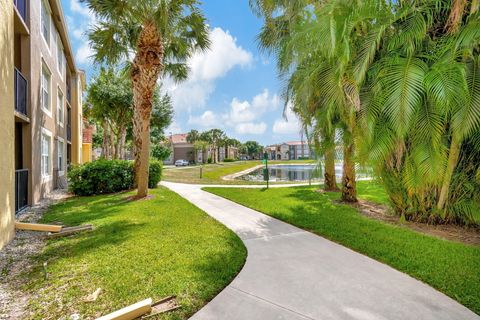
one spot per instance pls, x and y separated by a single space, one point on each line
16 257
470 236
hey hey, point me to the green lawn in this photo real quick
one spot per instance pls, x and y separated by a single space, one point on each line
451 267
213 173
149 248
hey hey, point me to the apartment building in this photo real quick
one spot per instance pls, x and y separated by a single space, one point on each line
42 116
181 149
292 150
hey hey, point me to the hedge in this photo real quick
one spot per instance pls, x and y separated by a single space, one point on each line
108 176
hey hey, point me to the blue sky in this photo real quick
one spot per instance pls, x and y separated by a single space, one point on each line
232 86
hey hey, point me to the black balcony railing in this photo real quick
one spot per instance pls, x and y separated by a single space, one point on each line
21 92
21 189
21 8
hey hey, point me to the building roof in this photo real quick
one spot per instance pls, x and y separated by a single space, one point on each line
178 138
296 143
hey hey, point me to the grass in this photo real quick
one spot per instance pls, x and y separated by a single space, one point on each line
213 173
151 248
450 267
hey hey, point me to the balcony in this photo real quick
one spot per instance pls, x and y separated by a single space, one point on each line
21 93
21 189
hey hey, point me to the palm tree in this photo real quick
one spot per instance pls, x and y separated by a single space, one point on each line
321 82
160 35
192 137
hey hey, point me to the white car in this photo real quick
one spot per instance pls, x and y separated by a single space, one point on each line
181 163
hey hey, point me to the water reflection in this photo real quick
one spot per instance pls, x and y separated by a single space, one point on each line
289 173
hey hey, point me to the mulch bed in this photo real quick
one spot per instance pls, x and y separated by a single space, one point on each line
466 235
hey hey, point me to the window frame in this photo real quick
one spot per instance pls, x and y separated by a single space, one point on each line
46 69
61 60
48 175
62 162
45 7
60 106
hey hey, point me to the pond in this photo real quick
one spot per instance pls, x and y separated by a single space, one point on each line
287 172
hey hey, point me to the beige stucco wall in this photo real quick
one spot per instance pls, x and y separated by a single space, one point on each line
7 174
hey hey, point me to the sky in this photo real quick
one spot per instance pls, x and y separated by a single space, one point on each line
232 86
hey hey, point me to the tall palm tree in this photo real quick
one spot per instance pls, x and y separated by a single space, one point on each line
160 35
192 137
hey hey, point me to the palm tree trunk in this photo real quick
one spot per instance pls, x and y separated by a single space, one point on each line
456 14
105 144
447 178
114 151
146 67
330 183
349 185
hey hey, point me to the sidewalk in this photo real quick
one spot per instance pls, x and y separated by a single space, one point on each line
294 274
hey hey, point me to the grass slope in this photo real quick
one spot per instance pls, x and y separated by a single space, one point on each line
151 248
450 267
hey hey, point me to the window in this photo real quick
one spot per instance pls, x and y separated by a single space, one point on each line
61 156
45 90
45 153
60 108
60 57
45 23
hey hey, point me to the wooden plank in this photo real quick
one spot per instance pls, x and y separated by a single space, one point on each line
131 312
69 231
37 227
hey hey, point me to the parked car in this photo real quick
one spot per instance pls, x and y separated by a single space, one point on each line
181 163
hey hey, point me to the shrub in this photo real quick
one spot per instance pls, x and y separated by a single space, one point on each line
160 152
101 176
108 176
229 160
155 173
209 160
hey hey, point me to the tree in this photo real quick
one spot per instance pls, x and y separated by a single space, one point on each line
193 137
161 152
214 137
110 102
162 115
253 149
402 78
317 73
160 35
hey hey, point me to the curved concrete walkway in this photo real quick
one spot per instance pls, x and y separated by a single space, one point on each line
293 274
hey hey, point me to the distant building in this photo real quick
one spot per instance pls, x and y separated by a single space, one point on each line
181 149
292 150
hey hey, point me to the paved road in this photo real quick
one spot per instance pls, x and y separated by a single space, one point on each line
293 274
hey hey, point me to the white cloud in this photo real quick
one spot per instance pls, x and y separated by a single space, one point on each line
290 125
247 111
84 53
79 24
173 128
207 119
264 102
75 6
251 128
240 111
205 68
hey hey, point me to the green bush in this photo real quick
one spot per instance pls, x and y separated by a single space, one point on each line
101 176
229 160
108 176
155 173
209 160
